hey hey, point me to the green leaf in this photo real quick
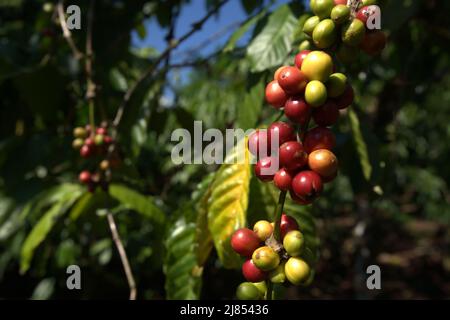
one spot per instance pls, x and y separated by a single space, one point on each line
271 46
250 109
136 201
46 223
242 30
227 209
88 203
183 276
44 289
361 147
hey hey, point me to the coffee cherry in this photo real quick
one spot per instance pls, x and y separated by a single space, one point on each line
297 110
300 57
364 13
247 291
368 2
336 85
322 8
291 80
263 229
86 151
104 165
353 32
305 45
107 140
258 142
297 270
244 241
346 99
90 142
315 93
268 173
292 155
265 258
319 138
323 162
79 132
373 42
293 243
347 54
284 131
317 65
98 139
287 224
307 185
101 130
252 273
325 34
277 275
77 143
262 287
338 2
310 24
275 95
84 177
277 73
340 14
327 114
299 200
282 179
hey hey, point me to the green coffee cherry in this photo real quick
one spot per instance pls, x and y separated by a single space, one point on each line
305 45
322 8
310 24
80 132
353 32
262 288
315 93
368 3
277 275
293 243
247 291
265 258
347 54
98 139
340 14
77 143
325 34
309 280
297 270
336 85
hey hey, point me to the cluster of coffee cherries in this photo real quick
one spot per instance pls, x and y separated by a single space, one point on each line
334 26
310 89
269 261
94 144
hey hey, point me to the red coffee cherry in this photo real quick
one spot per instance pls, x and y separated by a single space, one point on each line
323 162
300 57
307 185
107 140
277 72
285 132
265 163
275 95
86 151
373 42
252 273
84 177
297 199
292 155
101 131
337 2
244 241
319 138
287 224
364 13
258 141
346 99
282 179
297 110
292 80
90 142
327 114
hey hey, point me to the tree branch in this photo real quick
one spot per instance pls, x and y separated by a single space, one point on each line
173 44
91 87
123 256
66 32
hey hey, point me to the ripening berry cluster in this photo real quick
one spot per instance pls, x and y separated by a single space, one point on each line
284 262
335 27
307 90
94 145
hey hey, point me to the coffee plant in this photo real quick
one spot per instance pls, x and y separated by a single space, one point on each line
353 119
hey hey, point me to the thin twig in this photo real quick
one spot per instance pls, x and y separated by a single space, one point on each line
173 44
123 256
66 32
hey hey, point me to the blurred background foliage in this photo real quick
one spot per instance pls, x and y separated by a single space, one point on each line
389 205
